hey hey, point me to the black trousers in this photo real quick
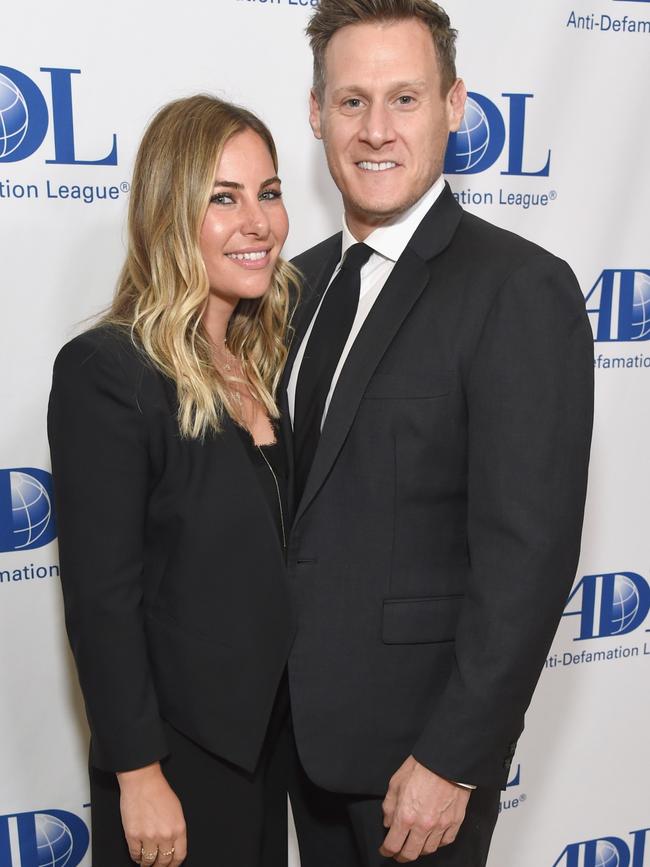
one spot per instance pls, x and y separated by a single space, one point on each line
336 830
234 819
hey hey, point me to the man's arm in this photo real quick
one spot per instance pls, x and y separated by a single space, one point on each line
530 407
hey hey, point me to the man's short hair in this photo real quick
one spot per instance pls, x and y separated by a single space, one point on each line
332 15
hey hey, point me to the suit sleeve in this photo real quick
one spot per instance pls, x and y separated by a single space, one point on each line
100 466
530 408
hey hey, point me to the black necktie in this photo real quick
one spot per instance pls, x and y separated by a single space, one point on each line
322 354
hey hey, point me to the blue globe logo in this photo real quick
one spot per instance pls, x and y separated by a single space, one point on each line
641 315
606 855
54 841
625 604
14 117
473 137
31 509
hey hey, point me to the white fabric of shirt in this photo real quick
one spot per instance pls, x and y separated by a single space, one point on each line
388 244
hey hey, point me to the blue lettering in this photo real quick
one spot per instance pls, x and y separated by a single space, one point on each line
517 135
624 604
569 856
62 116
479 142
26 121
586 613
628 292
638 855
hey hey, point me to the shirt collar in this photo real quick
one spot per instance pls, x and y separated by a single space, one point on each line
390 241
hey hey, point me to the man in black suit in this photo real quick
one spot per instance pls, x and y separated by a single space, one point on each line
440 388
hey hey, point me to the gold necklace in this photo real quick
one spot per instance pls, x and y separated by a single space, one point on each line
227 365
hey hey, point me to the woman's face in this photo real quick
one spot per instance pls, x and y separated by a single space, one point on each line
246 223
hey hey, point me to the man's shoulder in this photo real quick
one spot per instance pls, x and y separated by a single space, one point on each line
497 259
491 241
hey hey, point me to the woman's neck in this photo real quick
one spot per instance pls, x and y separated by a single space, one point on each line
216 319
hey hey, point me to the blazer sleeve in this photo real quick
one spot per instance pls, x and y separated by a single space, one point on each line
100 465
530 409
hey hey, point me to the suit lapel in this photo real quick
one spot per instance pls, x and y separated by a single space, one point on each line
406 283
313 288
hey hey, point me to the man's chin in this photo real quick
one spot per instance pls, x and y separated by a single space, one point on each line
378 212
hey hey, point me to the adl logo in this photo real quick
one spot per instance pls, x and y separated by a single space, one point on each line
620 305
611 604
606 852
479 142
26 511
52 838
24 118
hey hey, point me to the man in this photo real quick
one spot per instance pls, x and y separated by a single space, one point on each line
440 387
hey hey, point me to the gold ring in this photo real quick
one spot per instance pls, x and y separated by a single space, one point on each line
171 852
148 856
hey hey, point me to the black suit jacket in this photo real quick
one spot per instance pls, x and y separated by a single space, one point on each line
439 530
173 574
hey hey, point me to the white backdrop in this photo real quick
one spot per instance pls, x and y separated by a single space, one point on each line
555 148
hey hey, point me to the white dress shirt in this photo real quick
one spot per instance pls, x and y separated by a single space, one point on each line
388 244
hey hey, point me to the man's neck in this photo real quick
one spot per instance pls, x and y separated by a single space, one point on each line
362 224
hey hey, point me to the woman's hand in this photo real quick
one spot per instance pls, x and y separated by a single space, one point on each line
152 817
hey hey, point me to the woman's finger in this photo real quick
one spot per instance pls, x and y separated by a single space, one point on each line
135 848
149 852
180 851
166 851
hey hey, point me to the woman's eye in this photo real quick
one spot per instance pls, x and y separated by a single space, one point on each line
221 199
269 195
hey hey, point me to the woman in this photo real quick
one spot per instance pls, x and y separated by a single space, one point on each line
169 495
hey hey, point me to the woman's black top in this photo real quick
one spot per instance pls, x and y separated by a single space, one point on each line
176 595
270 466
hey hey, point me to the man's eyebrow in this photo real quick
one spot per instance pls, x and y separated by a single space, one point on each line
419 83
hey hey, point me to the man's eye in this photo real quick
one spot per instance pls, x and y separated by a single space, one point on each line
353 103
405 100
221 199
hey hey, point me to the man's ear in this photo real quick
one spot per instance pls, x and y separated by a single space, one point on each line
314 114
456 99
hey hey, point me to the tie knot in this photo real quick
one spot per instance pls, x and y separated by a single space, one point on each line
356 257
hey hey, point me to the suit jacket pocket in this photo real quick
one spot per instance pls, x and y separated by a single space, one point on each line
393 386
420 621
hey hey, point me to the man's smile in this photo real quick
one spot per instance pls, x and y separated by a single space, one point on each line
367 166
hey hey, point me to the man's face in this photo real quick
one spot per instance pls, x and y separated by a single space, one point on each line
383 119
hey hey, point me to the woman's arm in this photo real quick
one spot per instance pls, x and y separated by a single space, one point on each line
100 464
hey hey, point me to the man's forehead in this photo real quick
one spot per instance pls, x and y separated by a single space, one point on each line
398 49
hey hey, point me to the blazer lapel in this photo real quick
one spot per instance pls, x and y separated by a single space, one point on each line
313 289
406 283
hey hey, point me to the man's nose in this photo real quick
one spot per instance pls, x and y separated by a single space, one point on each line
377 127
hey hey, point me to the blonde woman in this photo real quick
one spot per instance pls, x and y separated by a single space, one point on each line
170 492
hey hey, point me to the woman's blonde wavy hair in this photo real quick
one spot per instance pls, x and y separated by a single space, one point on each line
163 289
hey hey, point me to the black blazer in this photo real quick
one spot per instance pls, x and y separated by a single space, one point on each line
173 574
439 530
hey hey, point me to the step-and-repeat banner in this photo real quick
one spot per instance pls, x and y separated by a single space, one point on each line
554 146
